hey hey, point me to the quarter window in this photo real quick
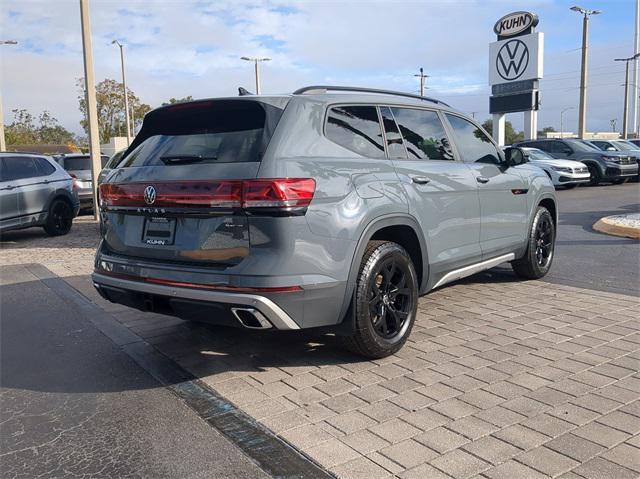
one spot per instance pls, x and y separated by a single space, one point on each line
473 143
423 134
356 128
44 167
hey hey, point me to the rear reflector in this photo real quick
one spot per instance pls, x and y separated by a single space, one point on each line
270 193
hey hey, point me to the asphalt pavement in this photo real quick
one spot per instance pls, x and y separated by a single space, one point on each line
73 404
586 258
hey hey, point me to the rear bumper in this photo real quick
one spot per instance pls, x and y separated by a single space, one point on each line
219 307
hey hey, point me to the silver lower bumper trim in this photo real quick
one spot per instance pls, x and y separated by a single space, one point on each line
274 313
474 268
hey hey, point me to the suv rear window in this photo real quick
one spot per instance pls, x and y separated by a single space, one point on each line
76 163
221 131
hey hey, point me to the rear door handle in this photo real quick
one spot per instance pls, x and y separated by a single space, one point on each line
421 180
482 179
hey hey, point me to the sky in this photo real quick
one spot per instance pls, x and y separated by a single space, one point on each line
177 48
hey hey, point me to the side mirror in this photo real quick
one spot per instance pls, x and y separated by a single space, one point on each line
515 157
567 151
610 148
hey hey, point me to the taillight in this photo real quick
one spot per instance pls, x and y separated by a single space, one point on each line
271 193
74 181
281 193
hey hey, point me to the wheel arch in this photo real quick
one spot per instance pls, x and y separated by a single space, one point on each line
402 229
550 204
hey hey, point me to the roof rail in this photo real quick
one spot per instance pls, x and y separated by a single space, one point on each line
315 89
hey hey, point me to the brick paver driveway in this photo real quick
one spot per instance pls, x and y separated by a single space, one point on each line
500 379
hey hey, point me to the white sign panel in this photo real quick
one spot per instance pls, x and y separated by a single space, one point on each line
517 58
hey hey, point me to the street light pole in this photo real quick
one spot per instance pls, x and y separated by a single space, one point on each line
3 145
422 78
582 123
625 114
92 108
636 76
561 118
257 69
124 87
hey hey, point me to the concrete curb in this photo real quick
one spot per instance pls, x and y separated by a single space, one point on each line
605 225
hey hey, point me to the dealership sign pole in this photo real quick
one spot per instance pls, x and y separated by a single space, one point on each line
515 68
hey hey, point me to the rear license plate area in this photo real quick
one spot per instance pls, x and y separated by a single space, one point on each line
159 231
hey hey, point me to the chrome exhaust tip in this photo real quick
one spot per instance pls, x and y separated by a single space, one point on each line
251 318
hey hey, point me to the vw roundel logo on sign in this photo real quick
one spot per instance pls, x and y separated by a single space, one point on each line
149 195
512 60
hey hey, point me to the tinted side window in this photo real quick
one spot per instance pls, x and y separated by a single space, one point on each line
356 128
473 143
17 168
558 147
423 133
44 167
395 146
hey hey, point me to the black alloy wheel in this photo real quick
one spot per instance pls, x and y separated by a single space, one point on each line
385 301
544 240
59 219
390 300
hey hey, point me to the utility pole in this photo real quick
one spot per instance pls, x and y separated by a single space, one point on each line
473 114
92 108
561 118
124 88
636 76
257 69
582 121
422 77
625 114
3 145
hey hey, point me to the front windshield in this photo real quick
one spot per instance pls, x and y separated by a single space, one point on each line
581 145
624 146
538 155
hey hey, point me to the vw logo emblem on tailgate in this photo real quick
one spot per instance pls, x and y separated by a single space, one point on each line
149 195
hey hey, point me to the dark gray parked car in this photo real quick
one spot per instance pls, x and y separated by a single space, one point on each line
79 167
604 166
315 210
35 191
623 146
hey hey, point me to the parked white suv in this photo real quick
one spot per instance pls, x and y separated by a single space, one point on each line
567 173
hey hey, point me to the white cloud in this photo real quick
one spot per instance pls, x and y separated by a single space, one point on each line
179 48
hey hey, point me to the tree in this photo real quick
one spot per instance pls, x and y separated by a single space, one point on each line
178 100
24 131
545 130
510 135
111 112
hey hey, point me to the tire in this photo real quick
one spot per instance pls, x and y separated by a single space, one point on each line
59 218
595 178
540 248
620 181
383 320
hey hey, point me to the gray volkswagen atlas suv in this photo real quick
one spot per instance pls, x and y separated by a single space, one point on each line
330 208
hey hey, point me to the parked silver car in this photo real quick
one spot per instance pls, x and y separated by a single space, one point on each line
110 165
35 191
79 167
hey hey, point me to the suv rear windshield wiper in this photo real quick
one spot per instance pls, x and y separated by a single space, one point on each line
172 159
